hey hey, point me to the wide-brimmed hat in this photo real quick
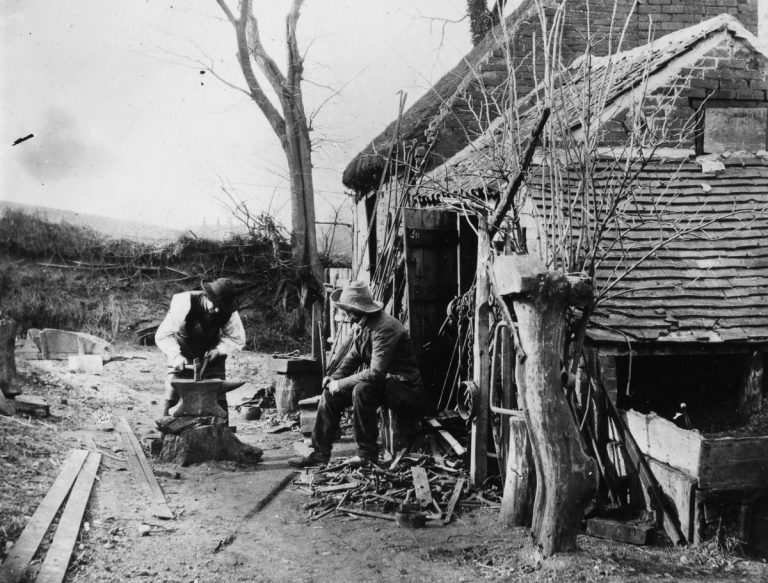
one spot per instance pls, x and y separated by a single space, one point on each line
356 297
222 293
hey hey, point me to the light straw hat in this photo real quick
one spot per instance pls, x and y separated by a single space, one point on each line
356 297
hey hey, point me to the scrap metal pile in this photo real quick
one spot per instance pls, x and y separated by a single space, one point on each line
414 489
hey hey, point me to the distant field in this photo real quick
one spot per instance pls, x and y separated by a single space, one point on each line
114 228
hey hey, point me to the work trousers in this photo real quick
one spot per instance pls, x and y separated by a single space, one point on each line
365 398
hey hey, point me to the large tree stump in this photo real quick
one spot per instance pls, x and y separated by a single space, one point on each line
197 429
566 476
207 442
8 383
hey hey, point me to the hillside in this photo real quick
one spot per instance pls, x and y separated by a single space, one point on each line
108 226
58 275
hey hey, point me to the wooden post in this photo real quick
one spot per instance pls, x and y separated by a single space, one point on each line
520 480
317 336
751 394
478 467
8 382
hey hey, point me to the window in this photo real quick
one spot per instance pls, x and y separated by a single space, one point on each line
731 129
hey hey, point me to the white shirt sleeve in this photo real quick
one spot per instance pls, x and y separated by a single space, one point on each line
232 335
165 338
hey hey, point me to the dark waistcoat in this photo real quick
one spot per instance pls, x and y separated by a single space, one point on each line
201 330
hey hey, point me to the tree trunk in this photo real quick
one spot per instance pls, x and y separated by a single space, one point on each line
520 481
205 443
566 475
8 382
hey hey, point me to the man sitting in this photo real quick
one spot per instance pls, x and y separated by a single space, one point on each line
390 377
200 324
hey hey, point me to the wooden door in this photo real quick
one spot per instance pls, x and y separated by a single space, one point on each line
431 252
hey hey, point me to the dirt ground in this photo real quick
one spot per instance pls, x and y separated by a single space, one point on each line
234 524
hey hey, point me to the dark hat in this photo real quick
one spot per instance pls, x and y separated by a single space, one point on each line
356 297
222 293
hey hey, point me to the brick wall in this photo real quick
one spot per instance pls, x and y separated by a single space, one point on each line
467 114
728 75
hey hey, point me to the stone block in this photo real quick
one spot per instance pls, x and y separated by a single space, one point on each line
60 344
86 363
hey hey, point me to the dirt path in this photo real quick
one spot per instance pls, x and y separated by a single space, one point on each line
233 523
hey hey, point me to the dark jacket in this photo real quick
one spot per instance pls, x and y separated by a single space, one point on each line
382 345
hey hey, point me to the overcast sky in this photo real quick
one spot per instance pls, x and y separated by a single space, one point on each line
126 125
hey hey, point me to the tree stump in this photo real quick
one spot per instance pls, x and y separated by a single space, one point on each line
201 443
297 379
566 476
8 383
197 429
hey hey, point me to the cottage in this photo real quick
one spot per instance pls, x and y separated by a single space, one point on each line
681 327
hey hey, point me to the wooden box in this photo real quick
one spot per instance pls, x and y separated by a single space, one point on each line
719 463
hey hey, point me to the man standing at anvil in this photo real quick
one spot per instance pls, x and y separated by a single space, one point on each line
390 377
200 324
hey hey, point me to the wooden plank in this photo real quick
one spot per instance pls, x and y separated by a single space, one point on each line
454 499
679 488
421 486
730 463
54 567
450 439
664 441
648 480
626 532
31 405
137 461
26 545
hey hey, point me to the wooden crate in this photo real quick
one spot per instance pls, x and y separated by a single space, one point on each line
720 463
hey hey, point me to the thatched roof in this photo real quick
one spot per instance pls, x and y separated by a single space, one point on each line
365 169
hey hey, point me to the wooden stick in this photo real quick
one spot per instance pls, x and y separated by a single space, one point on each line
454 499
368 513
26 545
514 186
56 560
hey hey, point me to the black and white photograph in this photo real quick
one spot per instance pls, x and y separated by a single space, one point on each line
383 290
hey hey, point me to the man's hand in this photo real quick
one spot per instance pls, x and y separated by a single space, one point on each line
178 363
331 385
213 354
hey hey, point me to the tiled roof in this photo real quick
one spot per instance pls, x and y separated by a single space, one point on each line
708 282
486 162
710 285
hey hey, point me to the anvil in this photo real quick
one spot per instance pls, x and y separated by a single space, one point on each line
199 398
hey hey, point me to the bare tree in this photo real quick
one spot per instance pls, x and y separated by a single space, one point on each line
291 126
